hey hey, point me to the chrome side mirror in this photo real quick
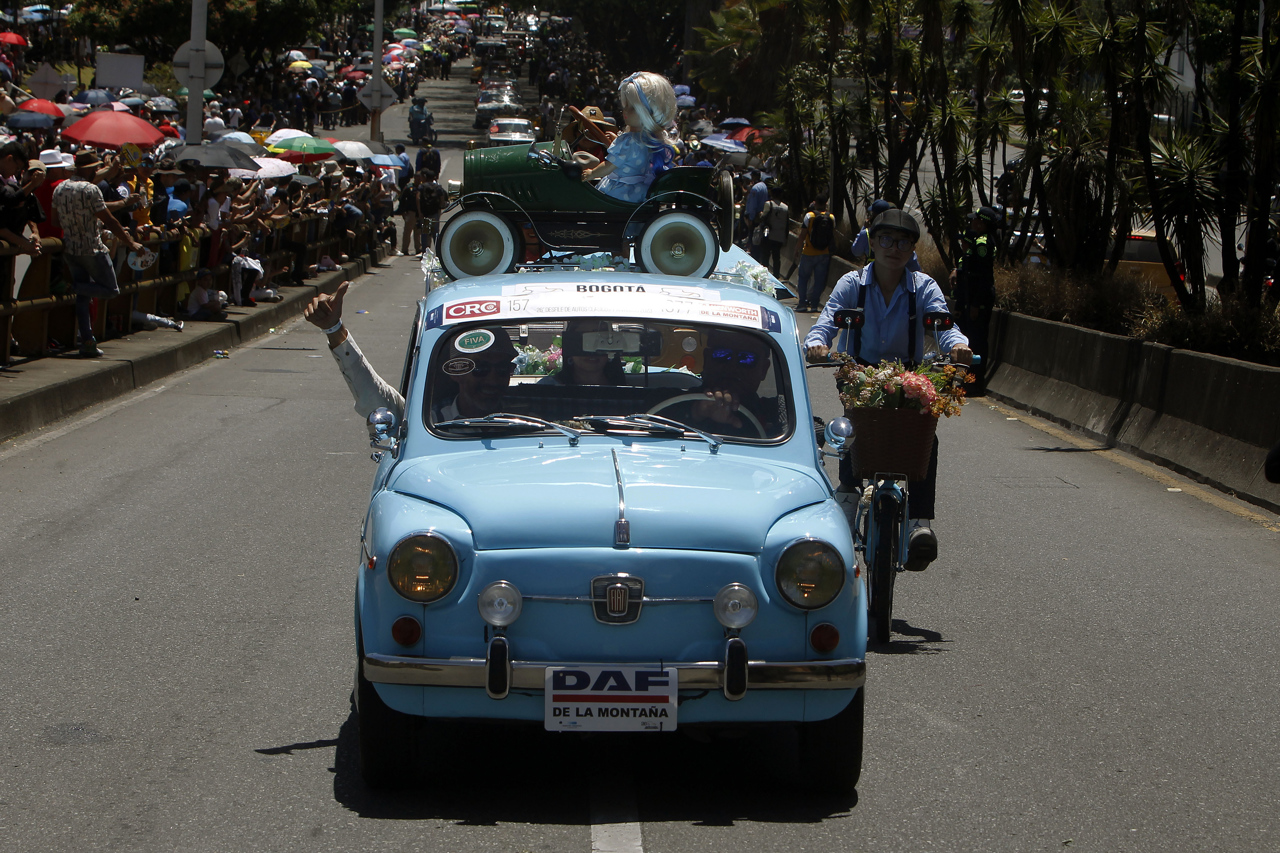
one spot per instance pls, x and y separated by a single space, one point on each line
837 434
381 422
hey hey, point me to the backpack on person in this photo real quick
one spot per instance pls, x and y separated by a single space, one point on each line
777 221
821 230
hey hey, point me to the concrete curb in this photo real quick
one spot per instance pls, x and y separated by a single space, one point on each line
1209 418
41 392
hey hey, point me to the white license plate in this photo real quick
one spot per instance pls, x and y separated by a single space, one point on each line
610 699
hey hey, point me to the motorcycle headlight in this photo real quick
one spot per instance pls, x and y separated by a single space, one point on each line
810 574
423 568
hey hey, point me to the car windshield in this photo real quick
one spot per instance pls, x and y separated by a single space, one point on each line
592 375
511 127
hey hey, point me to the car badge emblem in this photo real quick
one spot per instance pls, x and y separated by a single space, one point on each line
617 599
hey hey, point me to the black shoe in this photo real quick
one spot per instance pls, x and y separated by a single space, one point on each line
922 549
89 349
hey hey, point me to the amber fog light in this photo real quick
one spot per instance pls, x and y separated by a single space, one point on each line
824 638
406 631
423 568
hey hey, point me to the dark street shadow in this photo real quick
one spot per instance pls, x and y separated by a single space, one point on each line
551 777
909 640
1044 449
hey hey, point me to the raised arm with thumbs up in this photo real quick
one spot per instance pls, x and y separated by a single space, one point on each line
367 387
325 312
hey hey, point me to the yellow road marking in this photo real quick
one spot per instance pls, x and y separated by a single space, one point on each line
1146 469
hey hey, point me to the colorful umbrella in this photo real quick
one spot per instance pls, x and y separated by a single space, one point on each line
735 122
719 142
283 134
13 39
300 65
355 75
209 94
295 55
405 33
303 149
40 105
110 129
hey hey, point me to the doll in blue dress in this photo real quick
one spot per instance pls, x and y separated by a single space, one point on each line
646 149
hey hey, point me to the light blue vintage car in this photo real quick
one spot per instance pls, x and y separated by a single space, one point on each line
604 509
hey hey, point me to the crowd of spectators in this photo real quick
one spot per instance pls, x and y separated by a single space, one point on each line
187 218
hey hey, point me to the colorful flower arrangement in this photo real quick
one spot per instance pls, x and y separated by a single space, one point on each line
937 391
531 361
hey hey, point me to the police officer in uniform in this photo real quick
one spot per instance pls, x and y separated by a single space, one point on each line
973 284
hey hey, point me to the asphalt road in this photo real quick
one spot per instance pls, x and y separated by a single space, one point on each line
1092 664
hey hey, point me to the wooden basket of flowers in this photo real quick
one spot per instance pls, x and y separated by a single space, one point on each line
895 413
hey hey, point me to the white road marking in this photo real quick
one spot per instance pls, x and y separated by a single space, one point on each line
615 819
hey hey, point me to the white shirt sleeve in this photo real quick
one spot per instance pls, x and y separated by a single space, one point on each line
369 389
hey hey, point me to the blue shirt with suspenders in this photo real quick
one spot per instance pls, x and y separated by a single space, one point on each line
893 331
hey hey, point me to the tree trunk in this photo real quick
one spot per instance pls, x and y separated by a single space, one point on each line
1229 212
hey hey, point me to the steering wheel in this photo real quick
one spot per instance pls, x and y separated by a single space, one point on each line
694 398
589 127
569 167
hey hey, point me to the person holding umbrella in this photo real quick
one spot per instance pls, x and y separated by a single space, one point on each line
79 210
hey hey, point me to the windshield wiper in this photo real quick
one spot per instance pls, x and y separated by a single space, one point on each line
603 423
512 423
683 427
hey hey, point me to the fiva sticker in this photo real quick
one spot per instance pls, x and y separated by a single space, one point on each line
458 366
477 340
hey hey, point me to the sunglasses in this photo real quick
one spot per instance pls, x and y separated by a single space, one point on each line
746 358
905 244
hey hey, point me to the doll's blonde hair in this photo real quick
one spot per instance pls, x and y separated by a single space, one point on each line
654 102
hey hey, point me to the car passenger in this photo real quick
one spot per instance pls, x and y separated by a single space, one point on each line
481 378
583 367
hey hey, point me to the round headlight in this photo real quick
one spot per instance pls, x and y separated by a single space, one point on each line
423 568
736 606
500 603
810 574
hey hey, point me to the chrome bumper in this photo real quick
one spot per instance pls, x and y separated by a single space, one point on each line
843 674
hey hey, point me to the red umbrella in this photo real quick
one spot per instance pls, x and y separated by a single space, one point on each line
109 129
749 135
355 75
40 105
13 38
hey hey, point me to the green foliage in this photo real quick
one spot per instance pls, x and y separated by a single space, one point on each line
256 26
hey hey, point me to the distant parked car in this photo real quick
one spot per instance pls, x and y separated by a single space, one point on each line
511 131
1142 258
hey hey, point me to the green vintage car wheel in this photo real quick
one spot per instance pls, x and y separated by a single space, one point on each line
679 243
478 242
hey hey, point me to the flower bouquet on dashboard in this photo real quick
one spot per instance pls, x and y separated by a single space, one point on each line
895 412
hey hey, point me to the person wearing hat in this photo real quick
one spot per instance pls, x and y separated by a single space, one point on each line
862 251
894 302
973 280
80 211
55 173
578 134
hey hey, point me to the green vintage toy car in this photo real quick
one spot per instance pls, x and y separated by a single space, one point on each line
517 204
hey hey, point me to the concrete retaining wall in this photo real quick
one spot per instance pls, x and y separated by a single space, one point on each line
1211 418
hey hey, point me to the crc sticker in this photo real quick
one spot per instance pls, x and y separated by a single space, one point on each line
474 341
472 308
458 366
